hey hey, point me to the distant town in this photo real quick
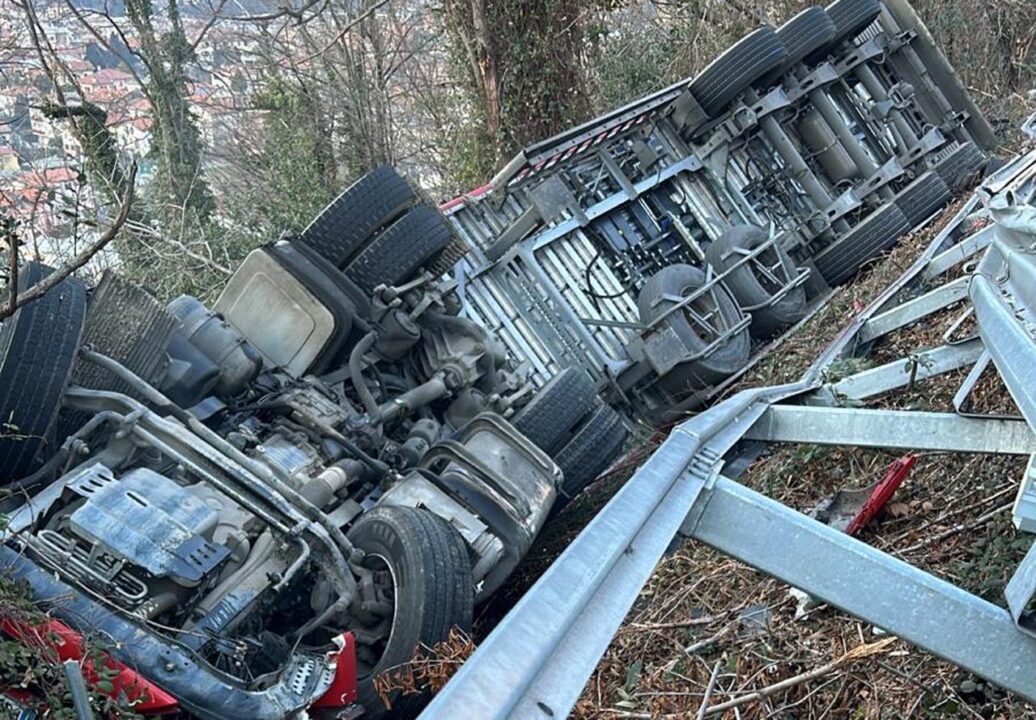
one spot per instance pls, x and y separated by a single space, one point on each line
41 159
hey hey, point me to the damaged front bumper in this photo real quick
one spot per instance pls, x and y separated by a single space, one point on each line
199 688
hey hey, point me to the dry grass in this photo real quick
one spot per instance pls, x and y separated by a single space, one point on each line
686 643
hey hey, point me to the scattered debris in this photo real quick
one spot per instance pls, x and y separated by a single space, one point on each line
429 669
849 510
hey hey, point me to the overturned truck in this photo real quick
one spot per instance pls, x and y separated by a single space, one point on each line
660 246
262 506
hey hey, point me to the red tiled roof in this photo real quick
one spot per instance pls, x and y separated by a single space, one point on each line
108 76
79 66
36 179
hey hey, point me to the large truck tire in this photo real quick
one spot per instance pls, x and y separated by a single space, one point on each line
924 196
372 202
555 409
395 254
959 168
851 17
802 36
38 347
659 293
592 449
736 70
840 261
751 289
432 593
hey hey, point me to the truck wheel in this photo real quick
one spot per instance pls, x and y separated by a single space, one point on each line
807 32
396 253
555 409
422 569
839 261
851 17
749 287
370 203
677 281
736 70
593 447
924 196
961 166
38 346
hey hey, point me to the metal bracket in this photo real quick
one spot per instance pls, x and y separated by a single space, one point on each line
1024 511
863 53
1020 591
824 74
927 143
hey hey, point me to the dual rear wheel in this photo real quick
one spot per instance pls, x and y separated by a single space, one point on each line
378 231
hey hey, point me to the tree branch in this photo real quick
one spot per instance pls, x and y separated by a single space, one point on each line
81 258
348 26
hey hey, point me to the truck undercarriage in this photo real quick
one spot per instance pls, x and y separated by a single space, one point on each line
970 276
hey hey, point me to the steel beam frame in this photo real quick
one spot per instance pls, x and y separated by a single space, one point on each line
962 251
916 606
894 429
913 310
901 373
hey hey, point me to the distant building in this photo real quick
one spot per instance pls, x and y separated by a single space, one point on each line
132 133
79 67
43 195
13 98
107 84
9 160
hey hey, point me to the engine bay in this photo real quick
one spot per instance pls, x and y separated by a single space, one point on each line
224 504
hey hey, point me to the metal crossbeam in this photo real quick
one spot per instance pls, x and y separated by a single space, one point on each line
966 248
913 310
901 373
899 429
930 613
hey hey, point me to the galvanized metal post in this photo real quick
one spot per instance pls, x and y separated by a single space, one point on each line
926 611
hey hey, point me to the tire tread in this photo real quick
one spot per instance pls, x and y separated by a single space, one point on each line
441 555
591 450
878 231
39 344
394 254
556 409
373 201
733 72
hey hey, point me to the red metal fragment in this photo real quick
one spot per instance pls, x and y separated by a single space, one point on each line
895 475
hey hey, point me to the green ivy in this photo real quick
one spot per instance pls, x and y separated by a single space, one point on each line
38 671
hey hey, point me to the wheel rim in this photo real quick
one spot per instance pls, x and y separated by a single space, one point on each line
370 654
769 258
